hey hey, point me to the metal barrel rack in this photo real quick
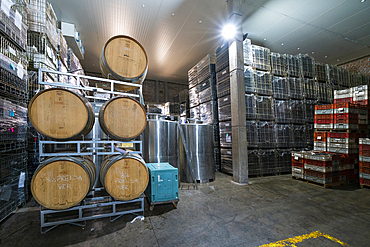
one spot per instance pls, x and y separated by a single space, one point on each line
97 204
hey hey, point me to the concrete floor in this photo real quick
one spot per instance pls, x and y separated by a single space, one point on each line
220 213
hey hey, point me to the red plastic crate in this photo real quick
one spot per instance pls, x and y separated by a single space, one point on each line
323 121
365 170
365 153
364 181
319 174
345 116
346 121
344 105
352 177
345 135
362 102
311 162
323 107
364 147
364 164
323 116
319 136
324 163
363 126
296 164
344 100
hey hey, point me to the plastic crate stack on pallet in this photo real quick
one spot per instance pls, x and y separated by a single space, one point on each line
323 168
364 166
13 110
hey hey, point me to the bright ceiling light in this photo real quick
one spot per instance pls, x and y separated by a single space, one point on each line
363 1
229 31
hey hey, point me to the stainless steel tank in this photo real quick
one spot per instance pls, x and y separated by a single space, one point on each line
95 134
199 142
160 140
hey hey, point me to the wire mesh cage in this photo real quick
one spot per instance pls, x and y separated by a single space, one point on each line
266 134
207 112
42 19
13 22
283 135
222 57
344 77
225 134
321 72
295 88
280 87
293 66
278 64
282 111
13 171
299 136
247 51
307 65
356 79
205 67
194 96
325 93
283 160
261 58
13 121
226 160
266 158
193 76
310 135
223 82
264 106
250 85
254 168
333 74
252 134
224 108
251 106
309 88
40 52
195 113
262 81
310 110
297 111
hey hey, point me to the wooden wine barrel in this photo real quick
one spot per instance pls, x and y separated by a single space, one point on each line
124 59
125 177
61 114
62 182
122 118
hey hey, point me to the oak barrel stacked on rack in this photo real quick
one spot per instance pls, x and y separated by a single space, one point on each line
124 59
61 114
63 182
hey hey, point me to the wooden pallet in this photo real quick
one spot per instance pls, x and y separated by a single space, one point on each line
364 186
322 185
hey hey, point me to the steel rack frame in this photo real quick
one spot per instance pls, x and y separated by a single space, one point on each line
95 202
91 204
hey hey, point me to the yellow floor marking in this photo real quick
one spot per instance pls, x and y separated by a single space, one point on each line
298 239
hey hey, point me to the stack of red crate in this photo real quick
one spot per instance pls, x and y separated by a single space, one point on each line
324 117
322 168
343 143
345 116
364 166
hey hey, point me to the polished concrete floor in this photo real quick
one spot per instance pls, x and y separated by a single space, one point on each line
220 213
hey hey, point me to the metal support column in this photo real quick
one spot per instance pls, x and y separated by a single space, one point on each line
237 95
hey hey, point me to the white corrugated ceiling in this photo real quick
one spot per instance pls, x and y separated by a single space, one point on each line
176 34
